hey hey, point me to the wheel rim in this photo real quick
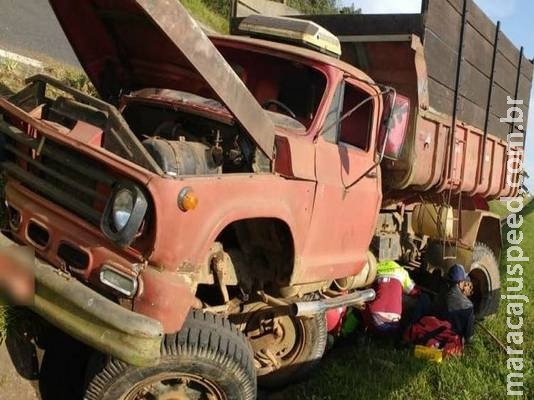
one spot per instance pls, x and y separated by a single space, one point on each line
277 341
175 386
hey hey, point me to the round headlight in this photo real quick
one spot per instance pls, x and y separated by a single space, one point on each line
124 213
123 205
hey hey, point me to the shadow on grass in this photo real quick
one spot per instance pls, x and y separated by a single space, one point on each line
356 369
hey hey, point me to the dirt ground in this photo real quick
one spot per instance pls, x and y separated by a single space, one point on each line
12 385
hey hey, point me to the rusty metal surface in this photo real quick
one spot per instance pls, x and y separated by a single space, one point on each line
141 44
87 133
330 221
63 227
167 297
425 156
118 138
92 318
160 291
292 52
114 161
349 214
183 240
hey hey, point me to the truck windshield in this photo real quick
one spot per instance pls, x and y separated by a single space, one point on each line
274 80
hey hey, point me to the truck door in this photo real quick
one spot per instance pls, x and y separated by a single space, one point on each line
344 218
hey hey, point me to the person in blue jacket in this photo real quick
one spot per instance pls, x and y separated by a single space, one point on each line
457 308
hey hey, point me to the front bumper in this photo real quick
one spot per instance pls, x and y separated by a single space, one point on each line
90 317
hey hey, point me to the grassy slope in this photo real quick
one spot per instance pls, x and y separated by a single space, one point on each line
383 372
499 208
206 16
12 77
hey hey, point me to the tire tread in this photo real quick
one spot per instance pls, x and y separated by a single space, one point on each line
209 336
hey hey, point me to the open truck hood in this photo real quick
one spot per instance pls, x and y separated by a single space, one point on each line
126 45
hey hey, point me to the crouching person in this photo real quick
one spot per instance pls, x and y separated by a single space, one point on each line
457 308
382 316
453 322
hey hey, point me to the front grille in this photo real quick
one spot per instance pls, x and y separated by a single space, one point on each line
56 172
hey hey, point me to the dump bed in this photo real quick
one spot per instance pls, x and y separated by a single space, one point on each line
455 65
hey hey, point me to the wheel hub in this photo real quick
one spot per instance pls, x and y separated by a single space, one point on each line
276 340
175 387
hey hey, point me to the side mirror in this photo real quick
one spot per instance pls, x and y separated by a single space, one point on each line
395 124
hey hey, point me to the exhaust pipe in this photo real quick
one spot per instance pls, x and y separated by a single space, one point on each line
311 308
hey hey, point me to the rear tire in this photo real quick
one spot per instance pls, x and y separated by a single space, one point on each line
312 337
286 348
485 275
209 358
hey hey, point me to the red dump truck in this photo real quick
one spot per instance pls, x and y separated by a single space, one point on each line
194 222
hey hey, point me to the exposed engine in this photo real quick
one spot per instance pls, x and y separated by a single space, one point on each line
185 141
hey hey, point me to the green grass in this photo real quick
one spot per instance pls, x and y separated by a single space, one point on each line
3 321
499 207
12 77
382 372
206 16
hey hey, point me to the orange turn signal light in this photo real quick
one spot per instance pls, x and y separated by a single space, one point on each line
187 199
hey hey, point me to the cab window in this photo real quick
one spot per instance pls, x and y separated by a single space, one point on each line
355 129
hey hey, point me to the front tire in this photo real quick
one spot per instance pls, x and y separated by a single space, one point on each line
208 359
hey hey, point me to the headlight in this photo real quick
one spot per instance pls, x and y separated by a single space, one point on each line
124 213
123 204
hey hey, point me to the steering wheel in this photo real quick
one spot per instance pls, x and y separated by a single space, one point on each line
277 103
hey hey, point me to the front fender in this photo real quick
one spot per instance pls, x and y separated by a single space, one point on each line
183 239
481 226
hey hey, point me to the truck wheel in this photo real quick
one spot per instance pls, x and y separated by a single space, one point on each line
208 359
484 274
286 348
